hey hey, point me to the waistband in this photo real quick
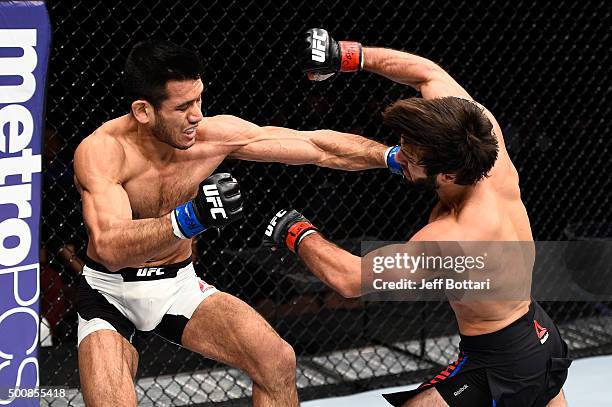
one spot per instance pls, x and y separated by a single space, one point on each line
142 273
505 336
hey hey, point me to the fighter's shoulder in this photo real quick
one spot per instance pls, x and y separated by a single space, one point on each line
103 144
451 228
503 171
443 229
101 152
497 132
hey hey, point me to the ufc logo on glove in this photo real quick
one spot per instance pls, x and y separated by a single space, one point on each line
318 46
270 227
212 194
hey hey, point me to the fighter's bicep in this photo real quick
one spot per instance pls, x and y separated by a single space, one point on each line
440 85
100 182
103 203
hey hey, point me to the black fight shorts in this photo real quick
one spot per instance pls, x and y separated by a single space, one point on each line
524 364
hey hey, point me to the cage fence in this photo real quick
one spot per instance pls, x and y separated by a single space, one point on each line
541 68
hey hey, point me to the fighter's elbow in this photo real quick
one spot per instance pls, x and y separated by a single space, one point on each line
349 291
348 286
108 256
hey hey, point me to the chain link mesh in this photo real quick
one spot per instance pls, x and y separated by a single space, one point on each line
541 68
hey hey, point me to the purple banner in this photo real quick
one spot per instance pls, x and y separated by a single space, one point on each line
25 38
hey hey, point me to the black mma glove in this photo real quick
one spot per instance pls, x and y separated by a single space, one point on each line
288 227
217 204
323 56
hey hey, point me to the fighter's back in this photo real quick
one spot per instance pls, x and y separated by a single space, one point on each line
492 211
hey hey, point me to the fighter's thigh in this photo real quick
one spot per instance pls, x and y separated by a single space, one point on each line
558 401
226 329
428 398
107 367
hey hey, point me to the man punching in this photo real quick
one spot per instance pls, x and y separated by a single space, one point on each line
511 353
147 190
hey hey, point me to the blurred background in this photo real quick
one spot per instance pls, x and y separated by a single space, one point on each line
542 68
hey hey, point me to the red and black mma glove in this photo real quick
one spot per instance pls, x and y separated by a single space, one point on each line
288 227
323 56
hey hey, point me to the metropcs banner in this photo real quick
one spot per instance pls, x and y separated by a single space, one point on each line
25 38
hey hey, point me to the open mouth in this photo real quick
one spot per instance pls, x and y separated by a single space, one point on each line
190 130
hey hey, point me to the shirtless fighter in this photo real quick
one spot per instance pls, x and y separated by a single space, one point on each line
147 189
511 351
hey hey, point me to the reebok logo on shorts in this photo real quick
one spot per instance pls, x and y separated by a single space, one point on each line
204 286
541 332
460 390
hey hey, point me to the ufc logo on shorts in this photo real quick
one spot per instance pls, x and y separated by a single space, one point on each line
212 194
149 271
270 226
318 47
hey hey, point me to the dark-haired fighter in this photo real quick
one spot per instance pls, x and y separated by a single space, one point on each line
146 186
511 351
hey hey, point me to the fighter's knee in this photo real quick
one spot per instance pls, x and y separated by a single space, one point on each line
283 360
278 367
287 360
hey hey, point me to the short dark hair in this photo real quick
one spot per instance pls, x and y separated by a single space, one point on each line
151 64
450 135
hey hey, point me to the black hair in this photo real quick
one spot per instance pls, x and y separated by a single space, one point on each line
450 135
151 64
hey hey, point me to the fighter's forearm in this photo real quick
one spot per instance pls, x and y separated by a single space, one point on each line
325 148
399 66
347 151
126 243
336 267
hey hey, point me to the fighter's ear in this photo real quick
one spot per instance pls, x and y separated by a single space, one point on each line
142 111
447 178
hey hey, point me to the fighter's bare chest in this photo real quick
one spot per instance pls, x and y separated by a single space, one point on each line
153 192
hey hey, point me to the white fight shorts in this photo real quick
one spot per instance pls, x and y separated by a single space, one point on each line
149 299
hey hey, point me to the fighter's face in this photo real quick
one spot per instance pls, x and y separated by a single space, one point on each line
177 118
414 173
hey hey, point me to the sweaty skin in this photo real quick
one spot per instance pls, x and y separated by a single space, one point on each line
130 179
490 210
